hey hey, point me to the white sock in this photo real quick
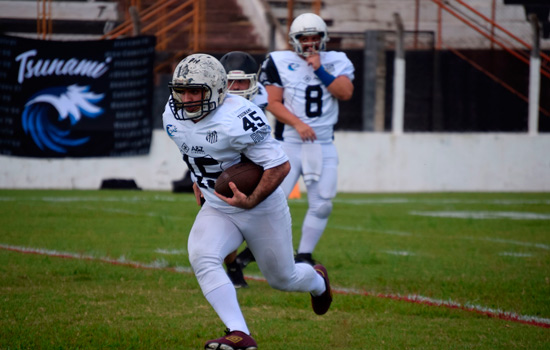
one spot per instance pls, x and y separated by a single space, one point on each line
225 303
320 287
312 230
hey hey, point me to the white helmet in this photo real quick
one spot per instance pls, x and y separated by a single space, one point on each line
308 24
198 71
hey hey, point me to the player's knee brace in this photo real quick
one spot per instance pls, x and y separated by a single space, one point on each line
323 211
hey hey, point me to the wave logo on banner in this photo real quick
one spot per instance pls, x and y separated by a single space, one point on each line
46 113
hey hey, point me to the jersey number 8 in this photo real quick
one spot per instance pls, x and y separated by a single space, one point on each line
314 98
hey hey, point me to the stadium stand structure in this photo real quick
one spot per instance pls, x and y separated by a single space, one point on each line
254 25
260 26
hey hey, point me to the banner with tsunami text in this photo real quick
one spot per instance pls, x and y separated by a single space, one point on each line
76 98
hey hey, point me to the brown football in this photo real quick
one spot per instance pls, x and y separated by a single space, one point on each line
245 176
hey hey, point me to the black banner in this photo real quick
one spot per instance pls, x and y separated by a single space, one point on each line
76 99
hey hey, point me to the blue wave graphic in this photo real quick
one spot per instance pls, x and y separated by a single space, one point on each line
50 115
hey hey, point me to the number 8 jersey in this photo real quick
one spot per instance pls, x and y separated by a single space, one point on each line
304 94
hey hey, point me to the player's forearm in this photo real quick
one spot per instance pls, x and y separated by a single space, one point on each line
341 88
282 114
271 179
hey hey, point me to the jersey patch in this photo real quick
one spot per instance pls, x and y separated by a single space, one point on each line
293 66
171 130
212 136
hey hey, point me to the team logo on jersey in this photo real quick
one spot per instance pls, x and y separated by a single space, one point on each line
329 67
171 129
307 78
212 136
293 66
197 149
184 149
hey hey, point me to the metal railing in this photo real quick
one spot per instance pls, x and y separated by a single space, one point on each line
43 19
489 28
169 21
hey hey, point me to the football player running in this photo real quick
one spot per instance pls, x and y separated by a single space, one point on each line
242 76
213 130
304 87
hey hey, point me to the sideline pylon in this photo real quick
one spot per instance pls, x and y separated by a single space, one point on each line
295 194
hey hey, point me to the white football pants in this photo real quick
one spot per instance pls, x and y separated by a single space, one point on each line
319 193
268 233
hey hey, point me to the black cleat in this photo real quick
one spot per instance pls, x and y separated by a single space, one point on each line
245 257
305 258
236 276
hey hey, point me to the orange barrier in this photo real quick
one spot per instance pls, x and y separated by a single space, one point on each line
295 194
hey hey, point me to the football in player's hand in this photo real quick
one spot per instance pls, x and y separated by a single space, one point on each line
245 176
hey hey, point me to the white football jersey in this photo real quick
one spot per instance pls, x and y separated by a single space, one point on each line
238 127
304 94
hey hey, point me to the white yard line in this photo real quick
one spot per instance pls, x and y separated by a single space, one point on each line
483 215
403 233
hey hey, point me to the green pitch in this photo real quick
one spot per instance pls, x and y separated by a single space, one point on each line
109 270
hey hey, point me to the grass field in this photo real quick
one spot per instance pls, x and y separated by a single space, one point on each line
109 270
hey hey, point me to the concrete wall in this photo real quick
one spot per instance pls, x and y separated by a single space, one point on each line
425 162
369 162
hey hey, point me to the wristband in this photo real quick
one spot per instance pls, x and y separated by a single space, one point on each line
325 77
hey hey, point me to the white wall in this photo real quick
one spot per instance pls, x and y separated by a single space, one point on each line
369 162
419 162
154 171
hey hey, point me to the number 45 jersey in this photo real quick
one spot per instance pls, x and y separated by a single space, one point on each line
237 127
304 95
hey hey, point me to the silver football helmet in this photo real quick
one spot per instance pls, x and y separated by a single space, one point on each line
200 71
241 66
308 24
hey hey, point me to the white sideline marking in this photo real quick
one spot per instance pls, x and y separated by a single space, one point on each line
402 233
413 298
129 212
400 253
393 232
375 201
159 264
516 255
359 228
171 251
509 241
126 199
419 299
483 215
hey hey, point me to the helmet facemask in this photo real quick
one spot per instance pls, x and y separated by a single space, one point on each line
302 48
177 105
252 79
